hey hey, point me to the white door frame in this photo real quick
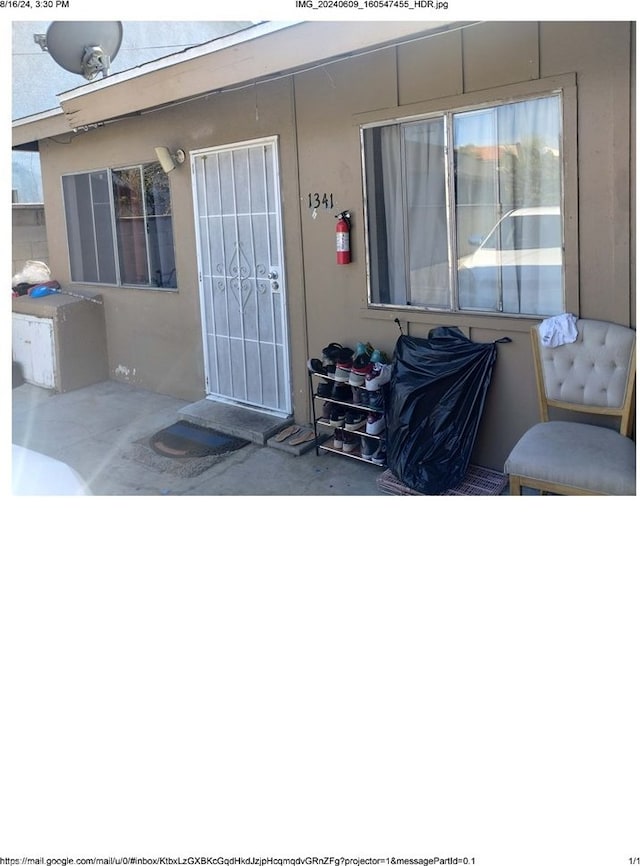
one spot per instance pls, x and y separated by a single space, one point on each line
263 278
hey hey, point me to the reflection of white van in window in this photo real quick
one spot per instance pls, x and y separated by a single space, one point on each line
517 267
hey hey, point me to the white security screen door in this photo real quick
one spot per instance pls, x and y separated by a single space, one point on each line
240 257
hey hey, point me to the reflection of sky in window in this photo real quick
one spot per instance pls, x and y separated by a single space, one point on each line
510 124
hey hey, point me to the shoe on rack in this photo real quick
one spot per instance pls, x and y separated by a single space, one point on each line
354 420
375 400
337 416
341 392
344 362
351 443
343 371
345 353
364 349
330 353
326 412
379 357
338 438
368 448
359 397
315 365
375 423
325 389
360 368
379 456
378 376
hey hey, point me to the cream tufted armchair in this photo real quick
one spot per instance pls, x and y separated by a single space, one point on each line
595 375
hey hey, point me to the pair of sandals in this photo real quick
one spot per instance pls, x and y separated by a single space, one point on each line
295 435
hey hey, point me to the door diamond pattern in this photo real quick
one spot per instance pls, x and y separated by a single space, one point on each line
241 276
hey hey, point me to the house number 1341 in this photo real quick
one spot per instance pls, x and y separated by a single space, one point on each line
318 200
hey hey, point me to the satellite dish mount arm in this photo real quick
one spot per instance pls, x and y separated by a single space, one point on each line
94 62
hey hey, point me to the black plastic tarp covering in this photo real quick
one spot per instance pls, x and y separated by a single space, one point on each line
436 398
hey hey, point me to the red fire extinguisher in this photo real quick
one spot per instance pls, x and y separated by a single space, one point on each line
343 246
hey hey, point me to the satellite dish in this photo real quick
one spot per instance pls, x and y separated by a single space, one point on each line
84 47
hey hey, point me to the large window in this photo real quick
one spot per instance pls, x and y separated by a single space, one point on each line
464 209
119 227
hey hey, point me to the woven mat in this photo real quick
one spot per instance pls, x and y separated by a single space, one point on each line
183 467
477 482
185 440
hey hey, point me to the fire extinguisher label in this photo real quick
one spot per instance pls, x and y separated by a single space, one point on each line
342 242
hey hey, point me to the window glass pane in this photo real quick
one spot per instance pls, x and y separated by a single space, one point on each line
128 199
159 226
508 196
89 231
427 233
406 213
385 214
80 235
103 227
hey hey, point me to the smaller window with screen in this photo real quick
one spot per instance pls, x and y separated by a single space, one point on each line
119 227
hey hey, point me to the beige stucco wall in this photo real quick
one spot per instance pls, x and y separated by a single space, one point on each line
154 338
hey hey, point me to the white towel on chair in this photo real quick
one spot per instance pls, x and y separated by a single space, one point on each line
558 330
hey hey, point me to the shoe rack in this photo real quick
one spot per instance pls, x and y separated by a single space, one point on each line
323 428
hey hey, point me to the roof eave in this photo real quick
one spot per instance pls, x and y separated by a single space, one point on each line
267 51
26 132
280 52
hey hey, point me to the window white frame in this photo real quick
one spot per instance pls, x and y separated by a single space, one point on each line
93 224
565 87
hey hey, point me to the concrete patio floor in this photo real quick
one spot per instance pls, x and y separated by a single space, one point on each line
94 430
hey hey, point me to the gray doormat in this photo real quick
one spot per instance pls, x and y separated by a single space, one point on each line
184 439
184 449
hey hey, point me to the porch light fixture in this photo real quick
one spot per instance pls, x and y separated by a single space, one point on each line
169 160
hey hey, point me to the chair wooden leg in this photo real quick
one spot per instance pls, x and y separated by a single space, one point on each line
515 488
